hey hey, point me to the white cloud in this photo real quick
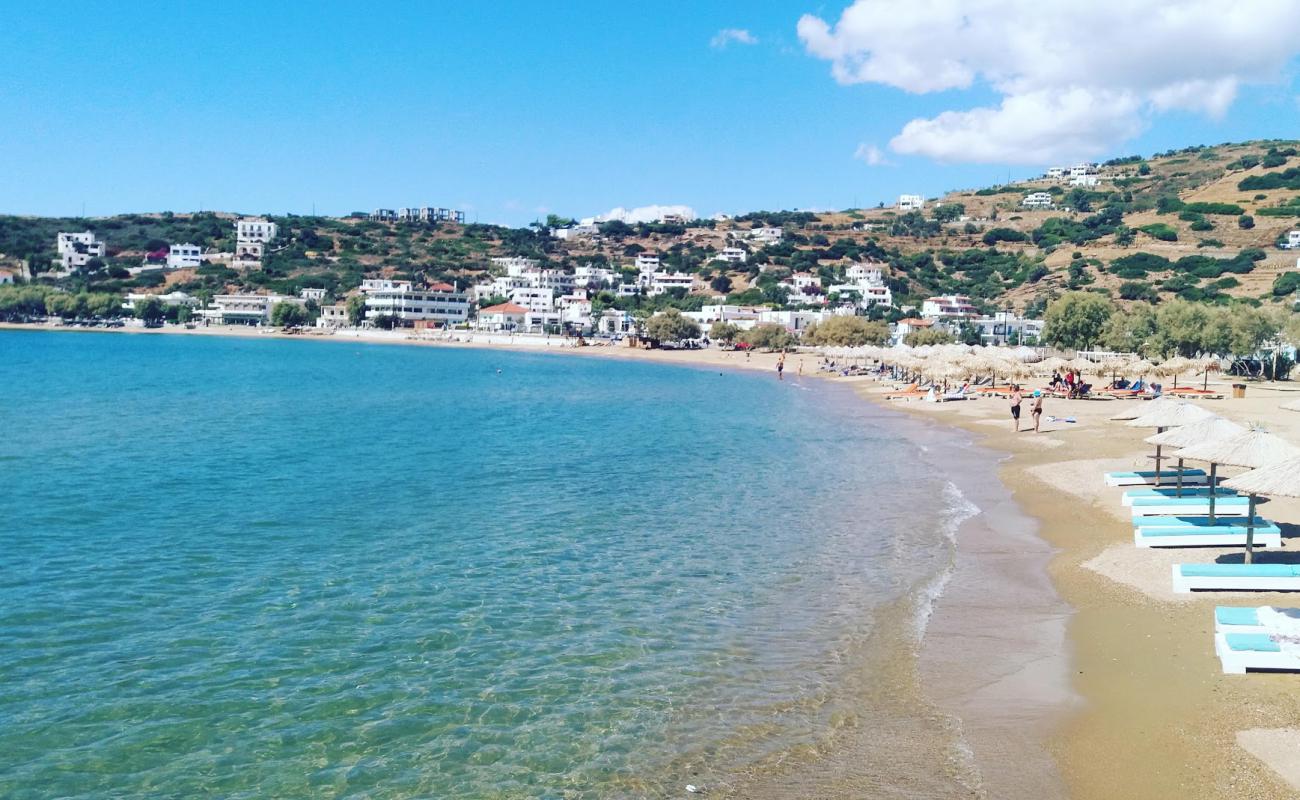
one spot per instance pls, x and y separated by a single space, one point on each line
871 155
642 214
1076 79
728 36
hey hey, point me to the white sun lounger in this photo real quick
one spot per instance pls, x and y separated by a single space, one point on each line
1239 619
1189 506
1148 477
1239 652
1237 577
1207 536
1188 491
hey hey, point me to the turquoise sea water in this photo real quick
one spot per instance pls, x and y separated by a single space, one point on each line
251 568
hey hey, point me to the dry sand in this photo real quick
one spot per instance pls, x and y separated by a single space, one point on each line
1158 718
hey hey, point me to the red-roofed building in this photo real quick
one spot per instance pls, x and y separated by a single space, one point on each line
502 317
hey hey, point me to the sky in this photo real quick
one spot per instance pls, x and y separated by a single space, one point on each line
512 111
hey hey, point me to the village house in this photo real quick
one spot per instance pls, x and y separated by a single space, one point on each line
503 317
184 256
731 255
948 307
910 202
75 250
1037 200
439 302
333 316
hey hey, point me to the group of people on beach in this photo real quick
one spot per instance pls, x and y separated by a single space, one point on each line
1071 383
1017 398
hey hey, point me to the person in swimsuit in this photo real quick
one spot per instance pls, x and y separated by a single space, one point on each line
1037 410
1016 398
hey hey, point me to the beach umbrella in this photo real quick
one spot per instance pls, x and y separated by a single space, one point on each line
1208 364
1253 449
1206 430
1165 416
1175 366
1135 410
1279 479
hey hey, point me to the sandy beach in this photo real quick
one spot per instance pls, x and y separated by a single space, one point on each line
1152 715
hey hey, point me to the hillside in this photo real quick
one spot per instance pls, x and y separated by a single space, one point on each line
1201 223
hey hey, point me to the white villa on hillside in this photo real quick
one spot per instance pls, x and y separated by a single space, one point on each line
767 235
251 237
1293 240
731 255
76 249
184 256
910 202
868 282
1037 200
647 262
946 307
439 302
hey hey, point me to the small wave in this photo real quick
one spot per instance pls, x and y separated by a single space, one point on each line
957 510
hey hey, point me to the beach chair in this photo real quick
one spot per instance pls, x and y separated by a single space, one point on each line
1237 506
1172 491
1239 619
1148 477
959 394
1236 577
1207 536
1239 652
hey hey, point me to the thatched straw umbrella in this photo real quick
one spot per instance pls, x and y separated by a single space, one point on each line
1207 364
1175 366
1049 365
1253 449
1169 416
1207 430
1137 409
1279 479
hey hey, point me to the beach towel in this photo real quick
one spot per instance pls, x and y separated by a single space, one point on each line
1062 419
1282 621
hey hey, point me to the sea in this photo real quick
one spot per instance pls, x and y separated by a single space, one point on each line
250 568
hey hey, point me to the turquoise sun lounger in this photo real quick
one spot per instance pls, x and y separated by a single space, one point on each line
1194 521
1237 577
1148 477
1189 506
1204 537
1239 652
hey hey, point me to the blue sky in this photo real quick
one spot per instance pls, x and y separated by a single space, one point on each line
511 110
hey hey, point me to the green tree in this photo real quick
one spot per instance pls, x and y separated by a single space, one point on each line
1076 319
289 315
721 331
671 326
949 212
1245 222
769 336
721 284
928 336
150 310
356 309
1181 328
1128 331
845 331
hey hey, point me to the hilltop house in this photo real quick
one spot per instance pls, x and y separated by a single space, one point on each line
76 249
1037 200
868 282
732 255
251 237
384 215
767 235
184 256
910 202
1293 240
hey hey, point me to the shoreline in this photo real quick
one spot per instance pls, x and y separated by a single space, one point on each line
1153 715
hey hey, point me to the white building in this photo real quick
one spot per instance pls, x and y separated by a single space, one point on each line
732 255
333 316
383 215
439 302
613 322
647 262
1056 173
575 232
533 299
184 256
256 229
312 294
1037 200
589 277
804 289
170 299
662 282
245 309
1293 240
1083 169
910 202
946 307
768 235
868 282
503 317
865 275
76 249
514 265
899 330
793 321
1084 180
1003 326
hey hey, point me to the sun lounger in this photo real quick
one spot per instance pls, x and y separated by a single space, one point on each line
959 394
1148 477
1237 577
1239 652
1246 619
1209 536
1261 524
1184 506
1172 491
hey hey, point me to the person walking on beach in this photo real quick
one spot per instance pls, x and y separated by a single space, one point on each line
780 368
1037 411
1016 398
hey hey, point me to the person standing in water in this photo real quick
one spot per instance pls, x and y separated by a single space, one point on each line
1037 411
1016 398
780 368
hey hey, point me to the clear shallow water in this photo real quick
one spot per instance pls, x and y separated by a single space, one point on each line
249 568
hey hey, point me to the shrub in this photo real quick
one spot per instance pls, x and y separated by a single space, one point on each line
1245 222
1286 179
1161 231
1138 265
1137 290
1202 225
1286 284
1226 209
996 235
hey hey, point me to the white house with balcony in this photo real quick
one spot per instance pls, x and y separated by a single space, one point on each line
764 235
1293 240
131 299
589 277
245 309
1084 180
333 316
502 317
948 307
439 302
311 293
76 249
647 262
184 256
533 299
910 202
514 265
251 238
662 282
805 289
1037 200
731 255
1005 327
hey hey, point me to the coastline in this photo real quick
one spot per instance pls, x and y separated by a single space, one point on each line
1153 716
